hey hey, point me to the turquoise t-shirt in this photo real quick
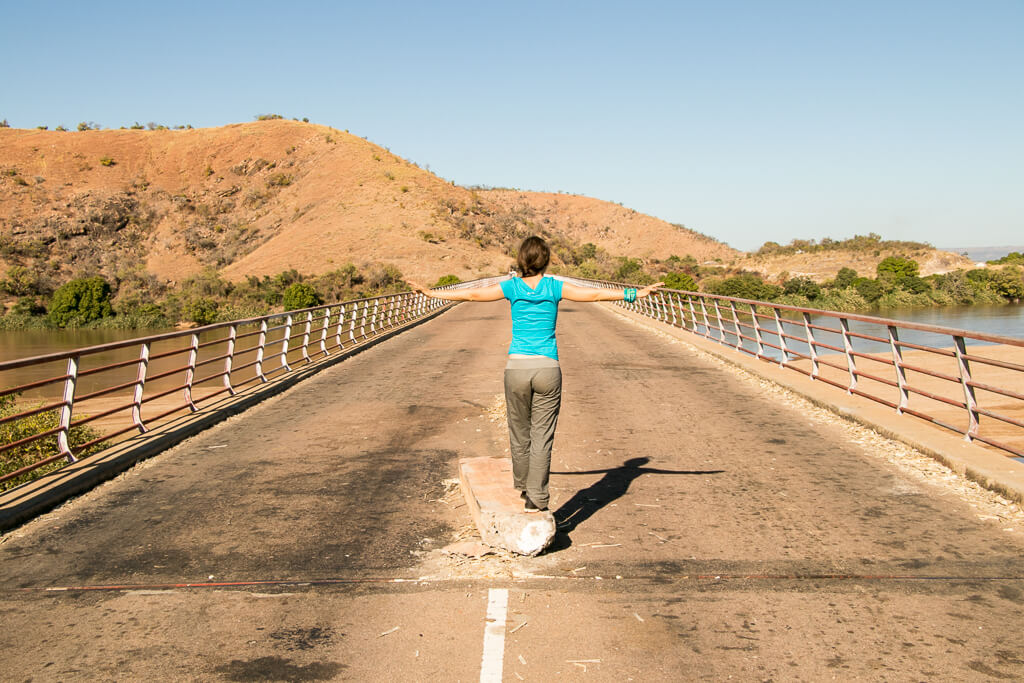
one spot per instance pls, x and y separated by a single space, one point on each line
534 313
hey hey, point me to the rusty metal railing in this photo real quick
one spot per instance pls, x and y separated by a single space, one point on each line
952 378
129 386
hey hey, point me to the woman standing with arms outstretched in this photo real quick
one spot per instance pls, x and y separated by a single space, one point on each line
533 378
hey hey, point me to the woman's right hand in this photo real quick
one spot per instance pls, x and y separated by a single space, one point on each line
416 287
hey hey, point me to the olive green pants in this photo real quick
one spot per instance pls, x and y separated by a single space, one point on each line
532 399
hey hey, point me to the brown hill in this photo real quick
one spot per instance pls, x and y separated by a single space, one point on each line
263 197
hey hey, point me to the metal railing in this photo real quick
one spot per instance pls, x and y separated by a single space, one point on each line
952 378
129 386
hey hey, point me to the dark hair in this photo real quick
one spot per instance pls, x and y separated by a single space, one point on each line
533 256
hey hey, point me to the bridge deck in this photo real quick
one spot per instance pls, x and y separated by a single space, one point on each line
707 532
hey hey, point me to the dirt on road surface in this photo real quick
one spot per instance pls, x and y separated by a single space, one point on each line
707 531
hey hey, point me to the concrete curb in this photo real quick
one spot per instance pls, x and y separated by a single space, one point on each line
497 509
996 472
33 498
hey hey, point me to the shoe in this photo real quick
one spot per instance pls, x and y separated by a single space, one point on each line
530 506
522 494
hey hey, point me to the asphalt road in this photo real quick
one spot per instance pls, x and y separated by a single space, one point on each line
706 532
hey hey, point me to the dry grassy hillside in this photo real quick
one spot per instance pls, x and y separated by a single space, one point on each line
617 229
262 197
821 266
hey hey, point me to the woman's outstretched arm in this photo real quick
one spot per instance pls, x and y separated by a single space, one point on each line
489 293
577 293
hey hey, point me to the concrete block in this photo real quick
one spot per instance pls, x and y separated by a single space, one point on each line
497 508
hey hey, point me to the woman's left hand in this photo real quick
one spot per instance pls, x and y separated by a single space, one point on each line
646 291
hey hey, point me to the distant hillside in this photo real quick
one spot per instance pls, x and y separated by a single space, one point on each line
822 261
263 197
983 254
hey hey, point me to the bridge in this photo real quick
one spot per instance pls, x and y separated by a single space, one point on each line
717 517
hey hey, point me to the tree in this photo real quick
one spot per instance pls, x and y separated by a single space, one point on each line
845 278
446 280
20 281
897 268
1009 284
746 286
81 301
202 311
914 284
868 288
682 281
300 295
802 286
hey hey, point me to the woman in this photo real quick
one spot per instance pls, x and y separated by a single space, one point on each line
533 379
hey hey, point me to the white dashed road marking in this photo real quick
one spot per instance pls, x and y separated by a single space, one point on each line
494 636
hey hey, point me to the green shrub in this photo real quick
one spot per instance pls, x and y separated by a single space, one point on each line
1013 258
88 125
279 180
22 456
446 280
202 311
631 270
301 295
268 117
81 301
682 281
844 278
869 289
914 284
28 306
4 124
1008 283
745 286
897 267
20 281
802 286
107 161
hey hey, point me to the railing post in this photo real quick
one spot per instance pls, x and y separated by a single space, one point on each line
362 325
260 348
812 350
851 364
707 323
352 323
782 338
284 343
757 330
960 348
901 373
721 323
736 324
673 300
323 332
693 314
66 408
341 324
140 383
663 307
305 337
232 334
190 371
373 318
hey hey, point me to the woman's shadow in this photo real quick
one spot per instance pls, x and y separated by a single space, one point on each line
612 486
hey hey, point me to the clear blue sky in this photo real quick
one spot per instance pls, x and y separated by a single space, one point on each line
746 120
